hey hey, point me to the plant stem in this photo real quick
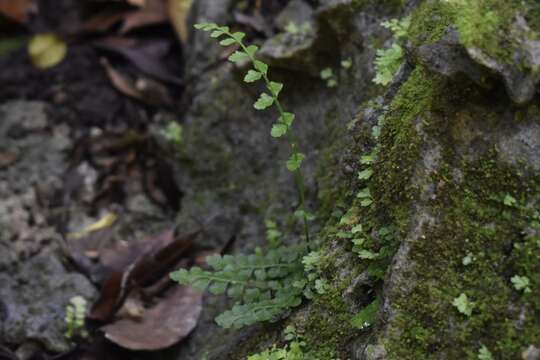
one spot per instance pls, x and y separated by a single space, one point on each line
293 144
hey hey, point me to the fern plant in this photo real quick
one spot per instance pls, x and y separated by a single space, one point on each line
263 284
388 61
283 125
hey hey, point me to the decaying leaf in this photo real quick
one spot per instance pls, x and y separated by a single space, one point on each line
146 57
46 50
18 10
178 11
105 222
153 12
162 325
139 3
120 82
138 265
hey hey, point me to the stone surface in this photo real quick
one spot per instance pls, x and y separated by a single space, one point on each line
34 175
33 301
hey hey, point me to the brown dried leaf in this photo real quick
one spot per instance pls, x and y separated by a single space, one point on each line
137 265
121 82
153 12
146 57
161 326
112 294
18 10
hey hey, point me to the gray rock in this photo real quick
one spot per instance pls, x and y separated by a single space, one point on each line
296 12
36 173
522 74
33 302
448 57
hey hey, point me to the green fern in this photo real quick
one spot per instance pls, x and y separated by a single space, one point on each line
283 125
260 283
388 61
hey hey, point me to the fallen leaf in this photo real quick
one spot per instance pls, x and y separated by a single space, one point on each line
137 265
46 50
120 256
18 10
139 3
178 11
154 12
162 325
121 82
145 57
113 293
105 222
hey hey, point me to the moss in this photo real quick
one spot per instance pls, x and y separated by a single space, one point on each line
401 146
470 222
471 218
328 326
429 22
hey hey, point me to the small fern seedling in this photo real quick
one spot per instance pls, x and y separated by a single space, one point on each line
75 317
283 125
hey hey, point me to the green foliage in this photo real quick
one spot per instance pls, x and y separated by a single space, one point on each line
273 235
521 283
75 317
295 161
260 283
328 75
388 61
283 125
346 64
398 27
173 133
292 351
484 354
366 317
299 30
463 304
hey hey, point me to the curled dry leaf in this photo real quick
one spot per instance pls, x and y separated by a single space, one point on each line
162 325
46 50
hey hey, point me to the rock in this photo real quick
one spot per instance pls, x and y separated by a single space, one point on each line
296 12
35 173
531 353
448 57
33 301
522 74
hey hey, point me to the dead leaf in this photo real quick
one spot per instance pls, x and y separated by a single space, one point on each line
121 82
178 11
46 50
162 325
102 22
119 257
113 293
154 12
137 265
139 3
145 57
18 10
105 222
